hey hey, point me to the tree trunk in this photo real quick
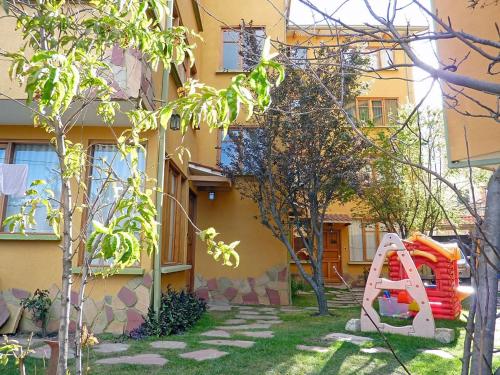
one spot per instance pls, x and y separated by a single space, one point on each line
469 329
321 298
487 282
67 249
79 322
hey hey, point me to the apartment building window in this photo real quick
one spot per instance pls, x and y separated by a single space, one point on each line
172 227
239 49
43 164
298 56
377 110
364 239
228 147
108 176
381 58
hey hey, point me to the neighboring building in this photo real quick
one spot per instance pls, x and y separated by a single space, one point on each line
33 261
483 134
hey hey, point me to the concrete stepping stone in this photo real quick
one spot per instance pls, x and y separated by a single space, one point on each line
438 352
216 333
269 321
257 334
235 321
219 308
236 343
203 355
245 327
111 347
290 310
148 359
44 352
168 344
268 309
316 349
250 312
257 317
357 340
245 307
375 350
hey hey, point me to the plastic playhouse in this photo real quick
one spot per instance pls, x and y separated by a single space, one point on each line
404 294
442 285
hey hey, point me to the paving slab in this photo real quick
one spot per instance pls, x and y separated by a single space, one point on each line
111 347
235 321
257 334
316 349
357 340
245 327
219 308
148 359
268 309
216 333
269 321
438 352
236 343
169 344
290 310
375 350
250 312
245 307
257 317
203 355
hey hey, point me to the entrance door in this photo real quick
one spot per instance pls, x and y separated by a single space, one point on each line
331 253
191 240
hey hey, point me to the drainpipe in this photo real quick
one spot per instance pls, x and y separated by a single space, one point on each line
160 178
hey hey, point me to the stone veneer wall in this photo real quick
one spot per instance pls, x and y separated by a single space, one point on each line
114 314
271 288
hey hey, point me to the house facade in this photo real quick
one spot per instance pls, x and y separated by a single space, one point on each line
117 303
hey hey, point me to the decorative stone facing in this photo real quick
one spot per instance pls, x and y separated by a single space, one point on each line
113 314
271 288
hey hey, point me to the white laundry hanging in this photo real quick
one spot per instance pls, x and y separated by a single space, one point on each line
13 179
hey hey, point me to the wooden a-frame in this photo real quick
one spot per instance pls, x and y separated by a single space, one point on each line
423 323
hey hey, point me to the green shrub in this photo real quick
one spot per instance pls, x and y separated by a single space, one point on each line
297 285
178 312
39 306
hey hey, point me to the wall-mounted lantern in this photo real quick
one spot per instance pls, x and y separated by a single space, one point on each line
175 122
211 195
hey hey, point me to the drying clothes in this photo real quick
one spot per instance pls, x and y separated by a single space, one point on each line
13 179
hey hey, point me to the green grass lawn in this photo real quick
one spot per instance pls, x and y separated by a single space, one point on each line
279 356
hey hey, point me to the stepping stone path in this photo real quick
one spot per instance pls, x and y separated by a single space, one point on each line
216 333
269 321
257 317
111 347
257 334
357 340
245 326
168 344
236 343
140 359
44 352
235 321
250 312
316 349
375 350
290 310
245 307
438 352
203 355
219 308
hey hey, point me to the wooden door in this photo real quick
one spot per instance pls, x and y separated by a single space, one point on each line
191 240
331 253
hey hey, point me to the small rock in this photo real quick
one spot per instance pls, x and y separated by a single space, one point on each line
353 325
444 335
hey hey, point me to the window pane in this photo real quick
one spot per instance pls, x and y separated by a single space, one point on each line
298 56
386 58
2 155
356 241
391 109
172 190
373 55
231 57
371 241
231 36
228 151
108 180
364 113
377 112
42 165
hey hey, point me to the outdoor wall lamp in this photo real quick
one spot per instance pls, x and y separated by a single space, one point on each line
175 122
211 195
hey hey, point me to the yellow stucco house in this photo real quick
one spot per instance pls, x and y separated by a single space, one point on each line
116 303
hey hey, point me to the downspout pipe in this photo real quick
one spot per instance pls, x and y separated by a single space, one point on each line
160 178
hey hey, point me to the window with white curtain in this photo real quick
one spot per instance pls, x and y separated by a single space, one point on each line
108 178
42 164
364 239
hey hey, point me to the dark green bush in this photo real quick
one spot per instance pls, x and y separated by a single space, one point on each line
178 312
